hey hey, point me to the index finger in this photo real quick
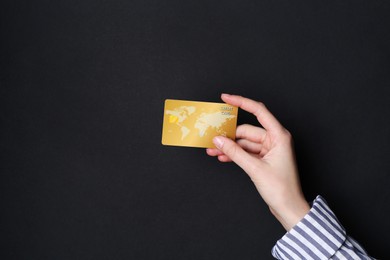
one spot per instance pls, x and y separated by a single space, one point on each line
263 115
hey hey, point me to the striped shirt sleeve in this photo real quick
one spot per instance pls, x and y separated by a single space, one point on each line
319 235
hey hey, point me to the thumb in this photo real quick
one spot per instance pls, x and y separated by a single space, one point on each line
235 153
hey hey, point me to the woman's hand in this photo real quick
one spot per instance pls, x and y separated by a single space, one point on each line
266 155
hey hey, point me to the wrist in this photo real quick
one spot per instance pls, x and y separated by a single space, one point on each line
291 214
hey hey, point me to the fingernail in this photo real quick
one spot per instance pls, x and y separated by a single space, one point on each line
218 142
225 95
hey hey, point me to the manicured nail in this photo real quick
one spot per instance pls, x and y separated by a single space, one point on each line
218 142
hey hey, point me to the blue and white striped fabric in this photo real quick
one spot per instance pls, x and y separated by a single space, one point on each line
319 235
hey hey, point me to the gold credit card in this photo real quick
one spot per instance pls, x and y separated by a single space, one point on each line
195 124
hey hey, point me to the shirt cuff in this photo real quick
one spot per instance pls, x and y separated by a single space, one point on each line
318 235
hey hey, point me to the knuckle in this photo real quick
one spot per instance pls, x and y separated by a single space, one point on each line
260 108
231 150
261 103
244 129
287 136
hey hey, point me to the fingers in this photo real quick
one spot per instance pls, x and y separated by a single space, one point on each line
224 158
250 132
221 156
265 118
213 152
234 152
249 146
249 137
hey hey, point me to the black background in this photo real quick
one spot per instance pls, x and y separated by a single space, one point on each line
83 171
